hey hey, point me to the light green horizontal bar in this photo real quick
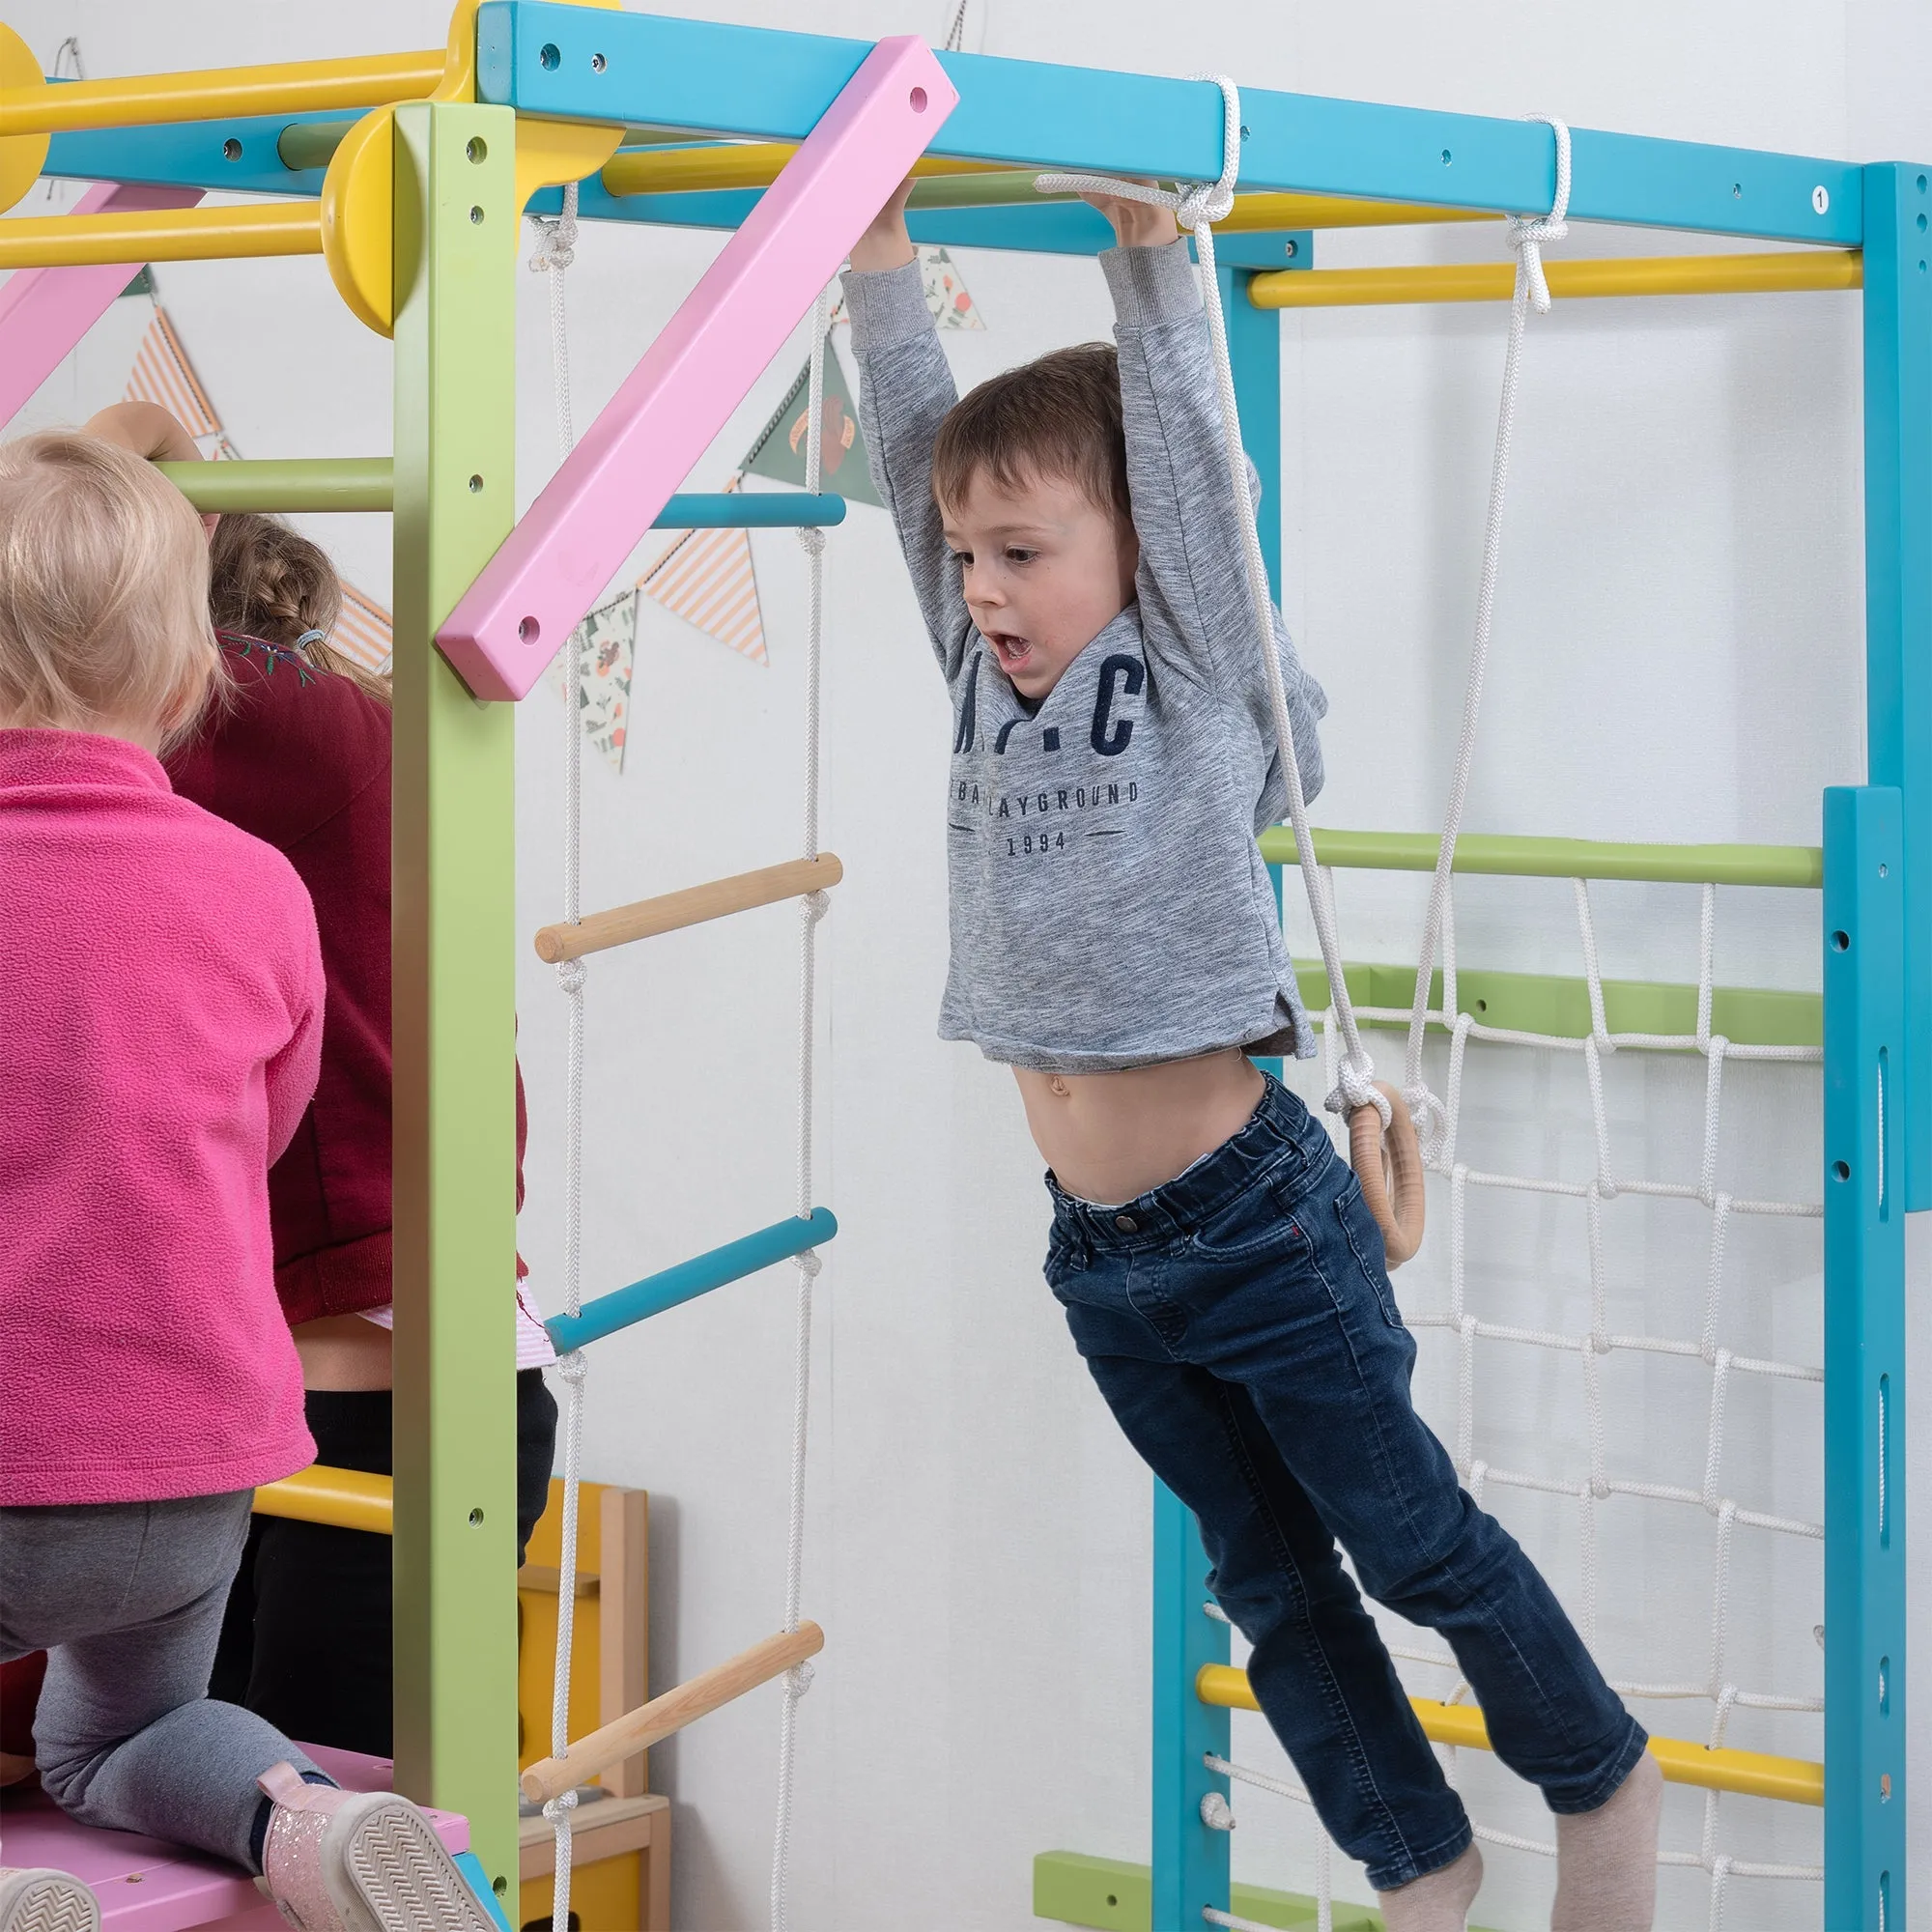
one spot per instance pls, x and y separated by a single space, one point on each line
1552 1003
1116 1897
1559 858
1002 187
293 483
311 144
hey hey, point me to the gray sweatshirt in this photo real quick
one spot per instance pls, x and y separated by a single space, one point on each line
1109 906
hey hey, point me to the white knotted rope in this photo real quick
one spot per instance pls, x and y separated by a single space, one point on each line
1198 208
812 909
1527 236
553 253
1600 1480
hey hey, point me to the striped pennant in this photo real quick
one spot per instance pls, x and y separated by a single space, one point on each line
363 632
164 375
706 578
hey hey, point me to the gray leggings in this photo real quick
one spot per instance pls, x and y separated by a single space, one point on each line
127 1600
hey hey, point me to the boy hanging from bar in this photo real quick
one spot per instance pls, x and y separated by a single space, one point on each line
1071 531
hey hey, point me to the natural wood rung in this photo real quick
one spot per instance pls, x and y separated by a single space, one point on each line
549 1576
670 911
649 1724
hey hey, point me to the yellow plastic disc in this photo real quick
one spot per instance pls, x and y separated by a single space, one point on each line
22 156
358 192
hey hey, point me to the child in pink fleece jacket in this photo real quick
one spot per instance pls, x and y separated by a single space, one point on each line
161 1024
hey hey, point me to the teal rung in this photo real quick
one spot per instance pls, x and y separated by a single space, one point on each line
624 1307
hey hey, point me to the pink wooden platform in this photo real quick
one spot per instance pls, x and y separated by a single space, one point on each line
146 1885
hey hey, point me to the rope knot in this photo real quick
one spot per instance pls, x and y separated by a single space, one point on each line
798 1681
811 1264
558 1809
1431 1121
572 1368
814 906
1355 1087
556 242
1216 1813
1528 233
811 539
1204 205
570 976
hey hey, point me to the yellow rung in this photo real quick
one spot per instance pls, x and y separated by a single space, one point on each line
757 163
1253 213
342 1498
1795 1781
1493 281
745 165
288 87
163 235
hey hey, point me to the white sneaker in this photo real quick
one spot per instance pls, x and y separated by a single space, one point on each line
356 1862
43 1901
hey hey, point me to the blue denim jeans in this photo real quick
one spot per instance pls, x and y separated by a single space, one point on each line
1240 1324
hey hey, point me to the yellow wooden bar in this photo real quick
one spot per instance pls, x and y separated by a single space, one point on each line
1493 281
1796 1780
740 166
342 1498
289 87
163 235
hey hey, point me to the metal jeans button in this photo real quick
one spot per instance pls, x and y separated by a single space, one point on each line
1126 1224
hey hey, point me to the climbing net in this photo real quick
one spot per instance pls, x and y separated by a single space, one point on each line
1590 1429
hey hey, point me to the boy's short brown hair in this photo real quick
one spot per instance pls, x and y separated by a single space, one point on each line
1057 416
103 591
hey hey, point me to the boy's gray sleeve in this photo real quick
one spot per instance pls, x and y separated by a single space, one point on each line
905 390
1196 609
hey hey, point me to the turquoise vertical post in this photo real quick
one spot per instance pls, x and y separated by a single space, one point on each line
1190 1860
454 928
1865 905
1898 589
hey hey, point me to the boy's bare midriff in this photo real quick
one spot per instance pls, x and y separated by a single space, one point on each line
1110 1137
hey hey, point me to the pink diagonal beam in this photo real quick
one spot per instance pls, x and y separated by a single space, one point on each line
592 513
45 312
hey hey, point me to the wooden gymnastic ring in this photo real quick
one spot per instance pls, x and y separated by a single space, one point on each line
1389 1166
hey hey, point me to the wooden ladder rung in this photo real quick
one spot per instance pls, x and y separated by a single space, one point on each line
649 1724
693 907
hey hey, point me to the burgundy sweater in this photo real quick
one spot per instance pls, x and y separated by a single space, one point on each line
300 758
160 1019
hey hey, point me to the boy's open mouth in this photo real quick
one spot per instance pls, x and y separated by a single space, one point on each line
1013 653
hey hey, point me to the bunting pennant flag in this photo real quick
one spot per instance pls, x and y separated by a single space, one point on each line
363 631
946 294
706 577
604 690
164 375
610 641
780 450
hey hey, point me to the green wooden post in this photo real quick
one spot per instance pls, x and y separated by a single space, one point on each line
455 986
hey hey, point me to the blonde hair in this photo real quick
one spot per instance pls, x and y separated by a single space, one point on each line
266 580
103 591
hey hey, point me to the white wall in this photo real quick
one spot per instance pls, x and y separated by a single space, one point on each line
1677 657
